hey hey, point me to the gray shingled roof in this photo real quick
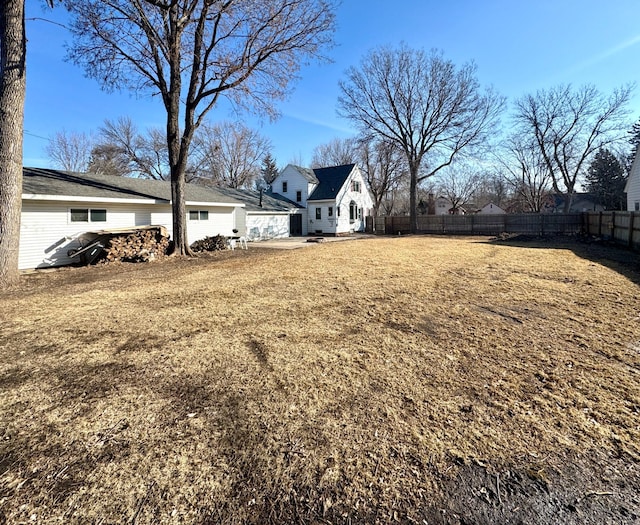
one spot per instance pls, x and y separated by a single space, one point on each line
330 181
271 202
38 181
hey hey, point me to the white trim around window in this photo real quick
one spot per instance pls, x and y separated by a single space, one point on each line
87 215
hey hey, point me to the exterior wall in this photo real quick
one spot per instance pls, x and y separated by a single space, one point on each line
633 186
267 225
325 224
221 221
362 198
295 182
47 233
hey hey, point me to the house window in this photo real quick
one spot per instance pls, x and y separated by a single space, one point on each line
318 213
338 211
355 186
284 186
87 215
198 215
330 211
637 206
298 196
353 211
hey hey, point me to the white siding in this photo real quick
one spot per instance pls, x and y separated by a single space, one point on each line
46 232
221 221
267 226
295 182
633 185
362 198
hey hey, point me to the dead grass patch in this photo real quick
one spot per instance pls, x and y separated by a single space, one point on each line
369 381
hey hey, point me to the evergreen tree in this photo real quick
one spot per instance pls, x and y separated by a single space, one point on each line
634 140
606 179
269 170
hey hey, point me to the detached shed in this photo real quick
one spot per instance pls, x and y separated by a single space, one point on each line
58 207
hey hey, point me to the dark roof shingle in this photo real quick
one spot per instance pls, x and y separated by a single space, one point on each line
330 181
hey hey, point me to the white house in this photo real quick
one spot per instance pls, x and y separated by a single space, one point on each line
336 199
632 189
58 207
491 209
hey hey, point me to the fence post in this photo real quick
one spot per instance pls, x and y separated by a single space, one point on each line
632 216
613 226
599 224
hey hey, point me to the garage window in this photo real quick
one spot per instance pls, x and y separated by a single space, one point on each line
198 215
87 215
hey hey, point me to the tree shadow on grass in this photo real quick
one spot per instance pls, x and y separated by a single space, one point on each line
623 261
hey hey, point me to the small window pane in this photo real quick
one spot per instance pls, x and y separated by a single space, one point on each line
318 213
637 206
204 215
298 196
98 215
330 211
193 215
80 215
284 187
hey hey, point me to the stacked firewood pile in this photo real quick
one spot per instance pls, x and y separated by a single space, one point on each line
139 246
210 244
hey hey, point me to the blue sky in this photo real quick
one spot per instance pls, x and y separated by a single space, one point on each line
518 47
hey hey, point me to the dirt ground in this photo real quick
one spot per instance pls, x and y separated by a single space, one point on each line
424 380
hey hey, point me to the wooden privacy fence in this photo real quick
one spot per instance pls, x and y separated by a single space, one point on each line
620 227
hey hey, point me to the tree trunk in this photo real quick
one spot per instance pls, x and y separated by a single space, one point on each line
12 95
177 161
413 197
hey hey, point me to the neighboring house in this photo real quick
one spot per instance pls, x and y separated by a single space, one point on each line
442 206
57 207
632 189
581 202
267 215
491 209
336 199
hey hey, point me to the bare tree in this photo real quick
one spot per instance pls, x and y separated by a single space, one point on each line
526 172
145 154
231 154
432 110
191 53
384 167
70 151
458 184
108 159
569 126
336 152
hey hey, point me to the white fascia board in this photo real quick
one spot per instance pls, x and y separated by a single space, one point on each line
71 198
217 204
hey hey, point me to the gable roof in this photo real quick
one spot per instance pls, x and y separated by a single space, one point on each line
47 183
330 180
270 202
307 173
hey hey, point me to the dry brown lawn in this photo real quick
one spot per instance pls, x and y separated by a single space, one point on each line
413 380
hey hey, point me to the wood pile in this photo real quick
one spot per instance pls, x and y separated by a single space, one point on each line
139 246
210 244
